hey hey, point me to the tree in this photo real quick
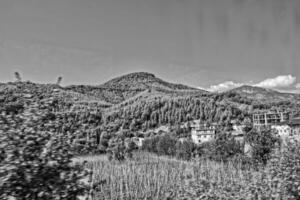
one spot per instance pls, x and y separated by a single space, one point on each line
262 144
18 77
224 147
59 79
184 150
166 145
285 169
132 125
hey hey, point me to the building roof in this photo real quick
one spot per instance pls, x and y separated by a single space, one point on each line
295 121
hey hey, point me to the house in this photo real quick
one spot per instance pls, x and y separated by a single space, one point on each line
288 129
238 132
138 141
294 123
283 129
202 132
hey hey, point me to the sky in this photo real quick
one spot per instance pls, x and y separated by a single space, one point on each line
210 44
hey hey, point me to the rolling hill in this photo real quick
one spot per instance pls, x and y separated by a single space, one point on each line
262 94
125 87
139 101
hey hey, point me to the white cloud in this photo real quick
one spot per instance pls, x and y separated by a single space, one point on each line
228 85
282 81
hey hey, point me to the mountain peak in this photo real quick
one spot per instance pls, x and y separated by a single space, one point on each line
143 80
139 74
136 77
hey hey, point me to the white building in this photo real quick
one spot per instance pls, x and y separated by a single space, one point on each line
295 125
238 132
283 130
138 141
202 132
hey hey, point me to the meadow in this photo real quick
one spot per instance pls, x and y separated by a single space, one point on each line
148 176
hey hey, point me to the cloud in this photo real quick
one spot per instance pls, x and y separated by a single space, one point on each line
282 81
228 85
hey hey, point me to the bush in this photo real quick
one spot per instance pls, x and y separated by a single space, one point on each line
166 145
150 144
284 168
223 148
36 163
120 149
162 145
262 144
184 150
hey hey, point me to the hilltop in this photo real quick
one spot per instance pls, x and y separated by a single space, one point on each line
127 86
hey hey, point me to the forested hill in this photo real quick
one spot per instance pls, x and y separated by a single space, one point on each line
141 101
124 87
143 81
262 94
147 112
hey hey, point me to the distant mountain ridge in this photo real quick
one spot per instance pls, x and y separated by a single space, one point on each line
139 101
143 84
263 94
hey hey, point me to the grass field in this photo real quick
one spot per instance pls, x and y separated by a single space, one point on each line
147 176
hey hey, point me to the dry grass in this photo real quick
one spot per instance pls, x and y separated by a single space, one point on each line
150 177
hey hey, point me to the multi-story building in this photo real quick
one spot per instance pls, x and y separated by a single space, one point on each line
267 119
294 123
202 132
283 129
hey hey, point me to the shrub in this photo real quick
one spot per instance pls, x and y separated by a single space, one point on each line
162 145
223 148
166 145
184 150
262 144
150 144
116 152
36 163
120 149
284 168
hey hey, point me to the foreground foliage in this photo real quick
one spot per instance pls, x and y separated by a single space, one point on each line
35 161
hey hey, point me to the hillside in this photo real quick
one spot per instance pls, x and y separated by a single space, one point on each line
15 95
141 100
264 95
135 102
124 87
143 81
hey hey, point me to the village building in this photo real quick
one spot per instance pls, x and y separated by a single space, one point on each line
202 132
268 119
238 132
294 123
288 129
138 141
283 129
